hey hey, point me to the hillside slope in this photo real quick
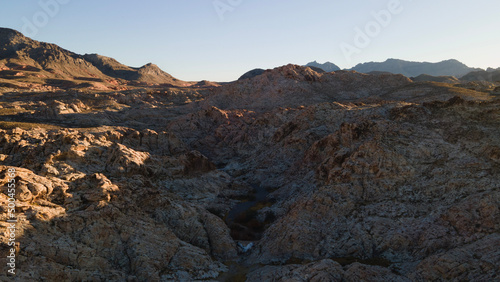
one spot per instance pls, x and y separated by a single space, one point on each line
26 63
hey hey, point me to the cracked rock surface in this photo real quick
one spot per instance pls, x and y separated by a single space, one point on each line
345 176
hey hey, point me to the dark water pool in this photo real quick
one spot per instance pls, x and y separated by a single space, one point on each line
242 218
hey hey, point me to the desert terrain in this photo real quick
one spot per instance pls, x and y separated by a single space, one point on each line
288 174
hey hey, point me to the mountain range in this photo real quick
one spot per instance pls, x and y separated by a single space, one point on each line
24 61
451 68
30 64
410 69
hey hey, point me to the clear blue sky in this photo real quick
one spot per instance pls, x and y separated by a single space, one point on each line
190 40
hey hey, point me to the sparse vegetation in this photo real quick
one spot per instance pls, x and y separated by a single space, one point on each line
27 125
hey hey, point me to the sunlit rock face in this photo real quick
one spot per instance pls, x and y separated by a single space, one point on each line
289 175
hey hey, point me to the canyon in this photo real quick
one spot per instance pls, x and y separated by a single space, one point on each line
288 174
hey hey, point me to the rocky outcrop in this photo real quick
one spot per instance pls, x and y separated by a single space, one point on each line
293 86
99 206
251 74
324 270
365 183
291 175
370 172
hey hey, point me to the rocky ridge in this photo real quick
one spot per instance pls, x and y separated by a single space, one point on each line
442 79
29 64
491 76
413 69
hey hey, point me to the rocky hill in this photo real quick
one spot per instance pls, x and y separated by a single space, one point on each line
443 79
414 69
491 76
23 60
327 66
149 73
251 74
293 86
27 63
111 67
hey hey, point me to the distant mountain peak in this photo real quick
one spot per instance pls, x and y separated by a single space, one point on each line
151 68
450 67
327 66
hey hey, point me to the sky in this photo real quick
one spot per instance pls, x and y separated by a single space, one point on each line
219 40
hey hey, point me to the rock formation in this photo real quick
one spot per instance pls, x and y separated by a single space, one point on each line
442 79
29 63
290 175
251 74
